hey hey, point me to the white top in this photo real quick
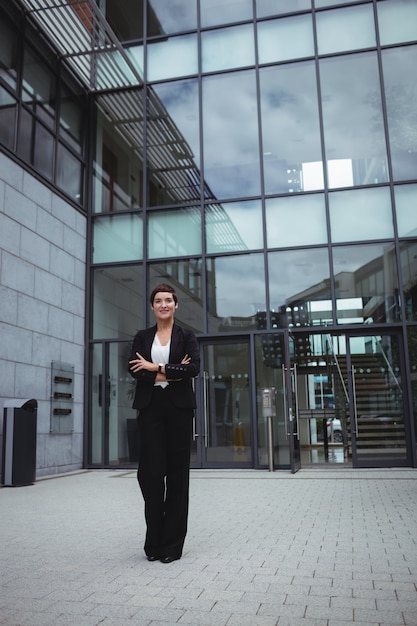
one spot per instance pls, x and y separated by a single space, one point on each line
160 354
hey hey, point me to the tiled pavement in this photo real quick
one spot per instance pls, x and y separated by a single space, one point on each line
319 548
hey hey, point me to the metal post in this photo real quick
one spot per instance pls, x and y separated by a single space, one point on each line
270 445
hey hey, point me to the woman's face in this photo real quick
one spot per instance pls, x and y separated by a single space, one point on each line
164 305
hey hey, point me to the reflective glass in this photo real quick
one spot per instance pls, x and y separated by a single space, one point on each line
353 120
38 87
121 428
299 287
349 28
174 233
235 291
269 354
173 143
117 238
366 284
69 174
400 79
265 8
71 117
172 57
405 204
174 16
230 131
117 166
286 38
125 18
8 109
361 214
412 350
117 301
397 21
408 258
9 51
186 278
43 150
213 12
228 48
295 221
233 226
290 129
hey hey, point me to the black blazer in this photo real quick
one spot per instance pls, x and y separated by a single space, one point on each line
183 341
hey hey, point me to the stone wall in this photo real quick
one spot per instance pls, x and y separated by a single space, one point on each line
42 307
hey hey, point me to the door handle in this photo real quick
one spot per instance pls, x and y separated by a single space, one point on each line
205 402
355 413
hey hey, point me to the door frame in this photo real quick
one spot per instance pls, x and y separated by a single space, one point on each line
200 422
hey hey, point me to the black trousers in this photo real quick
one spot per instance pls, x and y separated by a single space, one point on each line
163 473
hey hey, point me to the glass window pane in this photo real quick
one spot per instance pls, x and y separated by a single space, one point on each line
227 48
397 21
173 143
117 301
69 174
366 284
165 17
8 110
172 57
290 129
296 221
361 214
286 38
400 78
117 167
38 87
406 203
266 8
236 291
353 120
231 157
186 278
125 18
174 233
71 117
43 150
213 12
234 226
346 29
9 51
408 257
117 238
299 287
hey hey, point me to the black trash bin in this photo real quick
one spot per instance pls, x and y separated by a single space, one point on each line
19 443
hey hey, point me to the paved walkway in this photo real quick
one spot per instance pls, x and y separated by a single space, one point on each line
318 548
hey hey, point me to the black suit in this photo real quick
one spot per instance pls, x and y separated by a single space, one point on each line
165 427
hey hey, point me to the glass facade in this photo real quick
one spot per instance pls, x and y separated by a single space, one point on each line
267 168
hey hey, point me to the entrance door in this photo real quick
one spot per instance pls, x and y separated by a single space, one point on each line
377 407
222 432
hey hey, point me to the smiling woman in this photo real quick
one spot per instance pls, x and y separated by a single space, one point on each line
164 360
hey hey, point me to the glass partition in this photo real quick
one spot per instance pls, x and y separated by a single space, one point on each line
233 226
235 291
353 120
164 18
296 221
174 233
349 28
397 21
227 48
400 93
117 301
286 38
171 57
117 238
231 157
299 287
366 284
405 203
213 13
408 260
292 156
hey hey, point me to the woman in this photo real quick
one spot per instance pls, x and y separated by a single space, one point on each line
164 360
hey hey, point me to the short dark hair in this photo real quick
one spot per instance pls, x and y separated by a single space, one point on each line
165 288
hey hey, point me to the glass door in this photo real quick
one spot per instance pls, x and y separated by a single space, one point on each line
377 421
222 432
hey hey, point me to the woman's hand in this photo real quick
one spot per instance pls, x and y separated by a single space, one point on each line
142 364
